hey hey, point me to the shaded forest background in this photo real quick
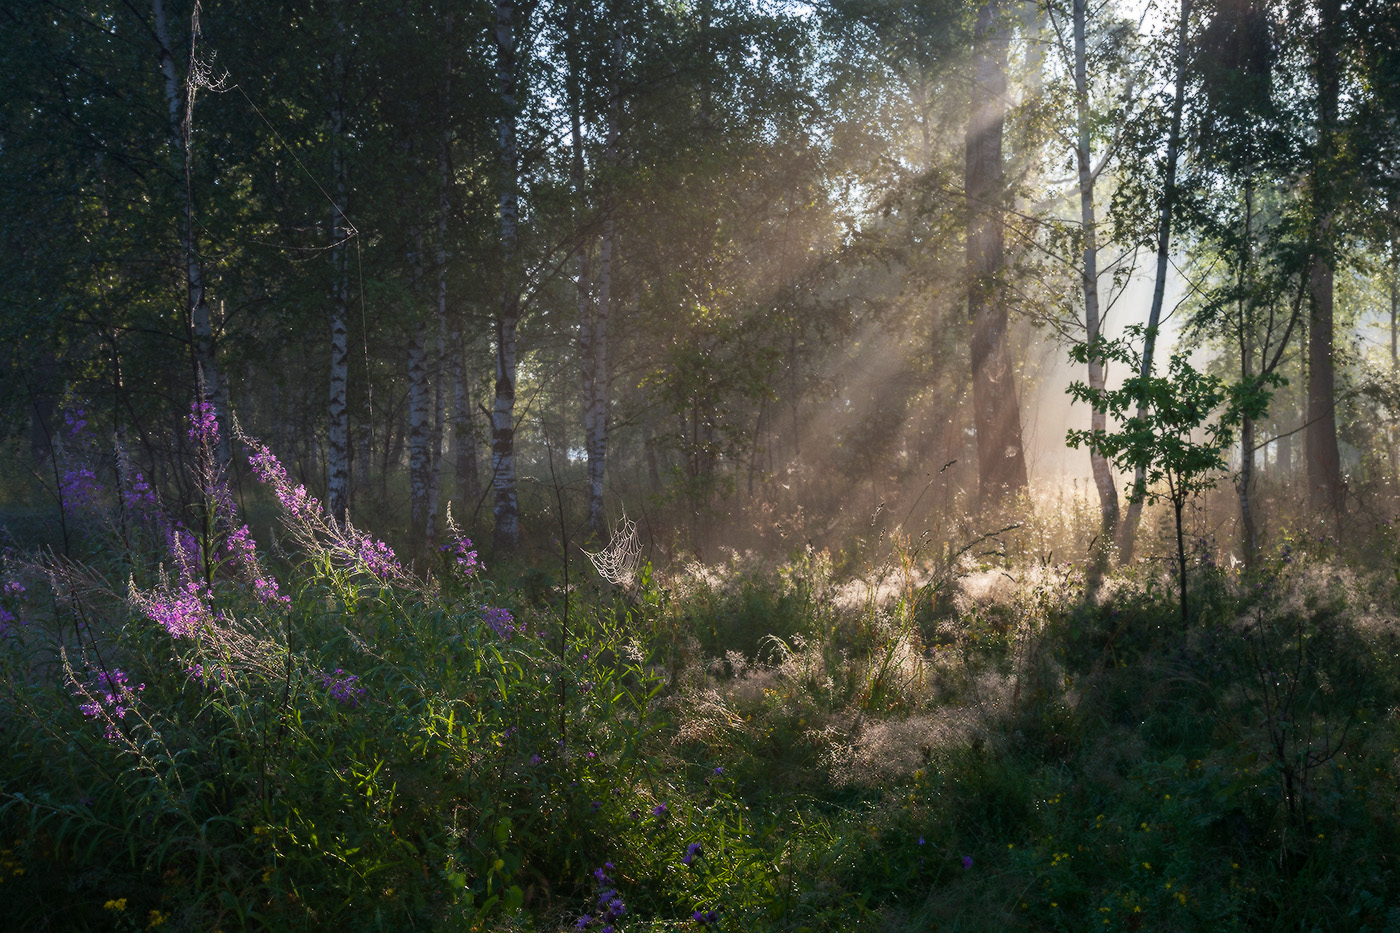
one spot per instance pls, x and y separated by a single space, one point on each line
758 275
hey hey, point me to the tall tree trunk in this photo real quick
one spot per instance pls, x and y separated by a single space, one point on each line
1001 459
198 323
1089 268
1244 487
1394 331
338 432
1128 532
507 508
1320 437
598 383
440 361
464 452
418 454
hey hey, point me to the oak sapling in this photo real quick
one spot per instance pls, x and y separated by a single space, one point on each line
1173 427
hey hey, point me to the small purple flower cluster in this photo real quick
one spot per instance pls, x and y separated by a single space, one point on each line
79 487
114 699
502 622
182 613
377 556
705 917
209 677
138 496
242 548
204 426
270 472
610 906
691 851
347 545
76 421
463 557
344 688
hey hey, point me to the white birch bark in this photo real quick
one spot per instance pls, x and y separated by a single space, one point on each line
465 456
1089 270
180 111
1128 531
597 382
506 508
338 432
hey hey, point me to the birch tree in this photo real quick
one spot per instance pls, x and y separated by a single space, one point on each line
1166 207
507 508
180 99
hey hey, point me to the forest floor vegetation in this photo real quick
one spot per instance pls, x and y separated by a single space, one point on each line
204 734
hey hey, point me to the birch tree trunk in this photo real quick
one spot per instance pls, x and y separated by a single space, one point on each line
598 382
1320 437
209 383
1001 459
338 431
1089 268
1244 487
439 359
506 509
439 372
464 452
1128 532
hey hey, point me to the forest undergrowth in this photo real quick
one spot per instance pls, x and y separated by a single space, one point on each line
205 733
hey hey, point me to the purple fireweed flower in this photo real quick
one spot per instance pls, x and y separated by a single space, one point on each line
377 557
659 810
110 697
79 487
501 621
204 427
967 861
463 557
582 922
182 613
138 496
242 549
75 421
691 851
344 688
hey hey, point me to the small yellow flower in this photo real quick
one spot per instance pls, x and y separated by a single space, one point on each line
119 904
1147 866
156 919
1181 897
